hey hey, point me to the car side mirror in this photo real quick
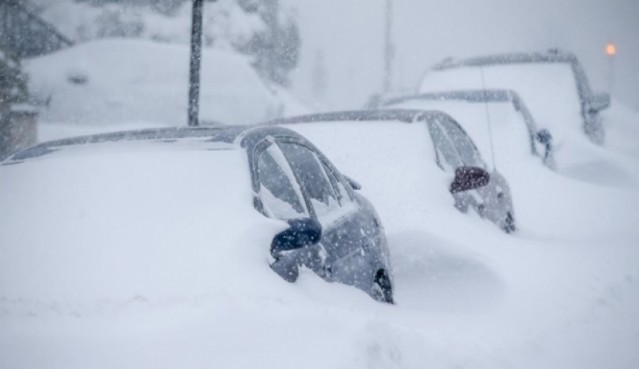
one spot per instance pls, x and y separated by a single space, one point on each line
301 233
598 102
469 178
544 137
353 183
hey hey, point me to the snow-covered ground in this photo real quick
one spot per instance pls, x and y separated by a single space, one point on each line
562 292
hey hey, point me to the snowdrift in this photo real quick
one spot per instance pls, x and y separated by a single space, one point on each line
142 82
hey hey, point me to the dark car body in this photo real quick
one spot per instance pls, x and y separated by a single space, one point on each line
332 229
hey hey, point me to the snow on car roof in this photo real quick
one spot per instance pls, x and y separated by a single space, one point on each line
511 138
474 96
549 56
549 90
371 116
110 223
204 138
368 145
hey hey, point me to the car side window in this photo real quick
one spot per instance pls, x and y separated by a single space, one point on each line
463 144
279 193
339 184
447 156
312 176
342 188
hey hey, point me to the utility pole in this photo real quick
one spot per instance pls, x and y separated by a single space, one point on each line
272 22
196 59
388 46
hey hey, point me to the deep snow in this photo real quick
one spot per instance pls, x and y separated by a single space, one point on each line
563 291
141 83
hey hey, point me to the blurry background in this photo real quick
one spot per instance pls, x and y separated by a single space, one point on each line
330 53
345 36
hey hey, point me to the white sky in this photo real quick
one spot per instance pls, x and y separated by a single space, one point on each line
349 34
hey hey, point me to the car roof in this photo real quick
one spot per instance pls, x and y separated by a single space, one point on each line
538 57
474 95
398 115
371 116
548 56
215 138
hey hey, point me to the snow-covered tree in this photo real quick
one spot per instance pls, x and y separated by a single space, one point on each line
319 76
264 30
276 48
13 91
13 84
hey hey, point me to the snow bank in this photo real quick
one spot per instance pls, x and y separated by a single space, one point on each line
622 128
145 82
560 292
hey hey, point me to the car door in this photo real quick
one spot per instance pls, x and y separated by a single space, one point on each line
279 196
350 234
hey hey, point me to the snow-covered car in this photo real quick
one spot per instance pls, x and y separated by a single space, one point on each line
553 84
177 212
497 120
396 153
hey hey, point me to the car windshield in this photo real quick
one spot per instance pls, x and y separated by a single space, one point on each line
548 89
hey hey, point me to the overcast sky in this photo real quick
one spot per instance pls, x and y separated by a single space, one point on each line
349 34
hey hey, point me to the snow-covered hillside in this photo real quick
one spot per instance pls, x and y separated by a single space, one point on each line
116 83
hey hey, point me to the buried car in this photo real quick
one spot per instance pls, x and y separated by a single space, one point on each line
553 84
396 154
174 212
496 119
